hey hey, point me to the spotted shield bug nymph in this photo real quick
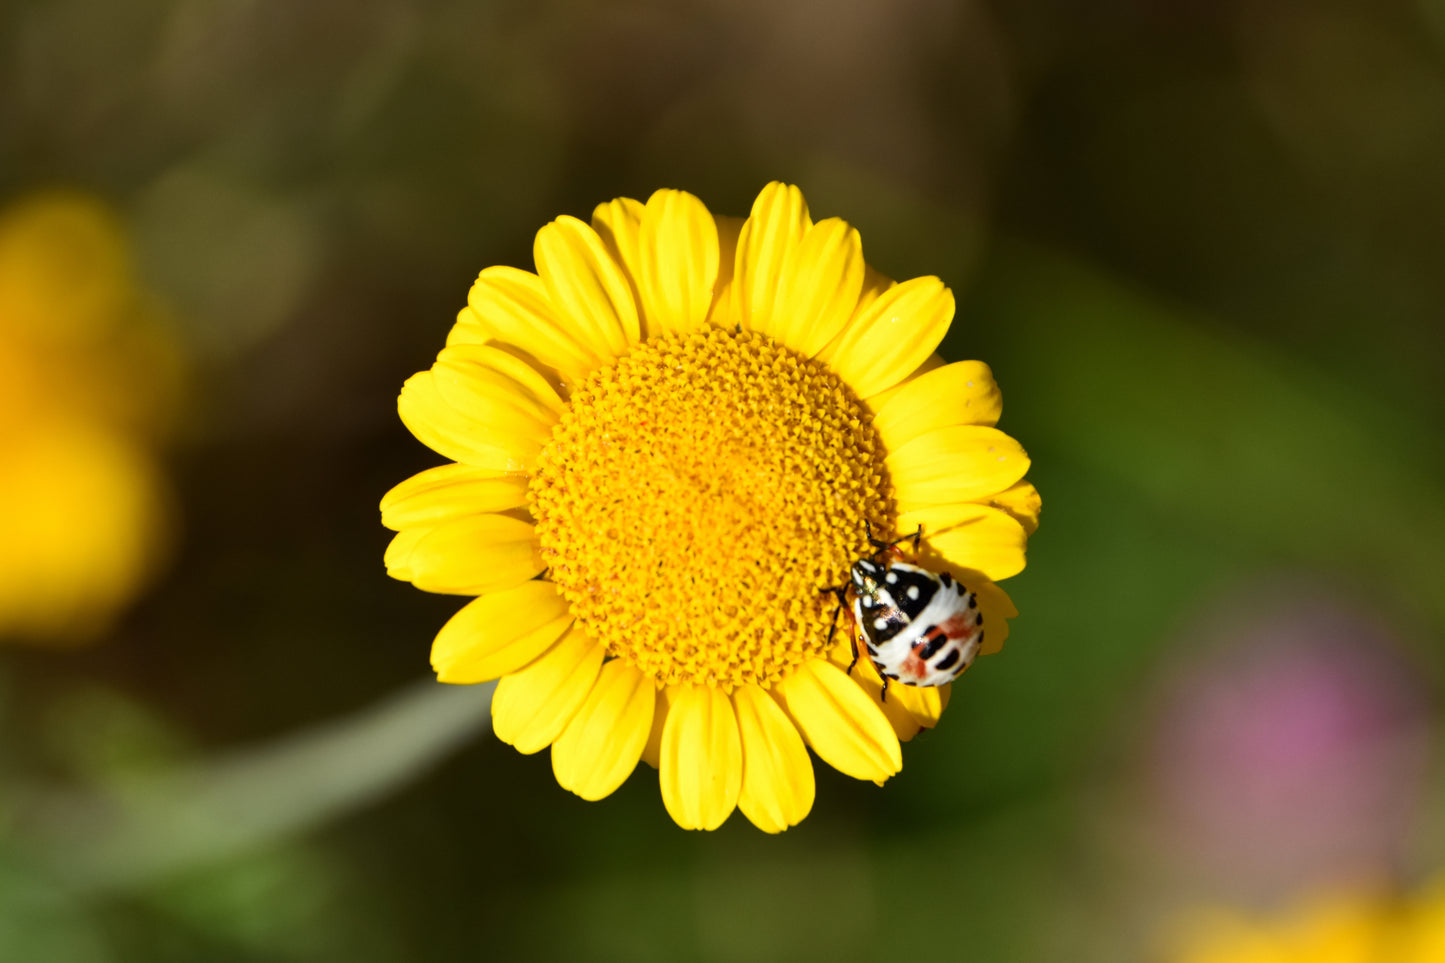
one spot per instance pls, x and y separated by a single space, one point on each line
921 628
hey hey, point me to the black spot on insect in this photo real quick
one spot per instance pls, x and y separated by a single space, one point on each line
979 620
948 660
973 601
912 603
936 641
945 578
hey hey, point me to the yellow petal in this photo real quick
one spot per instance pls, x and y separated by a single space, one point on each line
444 430
963 393
510 306
651 753
450 432
533 705
468 329
589 293
494 364
874 284
997 609
818 291
867 677
972 535
701 761
924 703
499 633
892 336
723 313
845 728
601 745
1022 501
909 707
876 402
619 224
679 261
475 554
398 553
450 491
957 464
777 787
903 724
508 404
778 221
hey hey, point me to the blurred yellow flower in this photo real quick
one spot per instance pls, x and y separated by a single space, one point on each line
1357 927
668 442
87 379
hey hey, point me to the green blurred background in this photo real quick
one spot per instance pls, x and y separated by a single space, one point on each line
1202 246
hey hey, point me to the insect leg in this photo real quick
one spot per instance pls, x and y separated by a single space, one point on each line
883 696
883 546
899 541
842 596
852 636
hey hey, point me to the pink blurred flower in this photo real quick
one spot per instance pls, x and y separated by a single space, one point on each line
1294 749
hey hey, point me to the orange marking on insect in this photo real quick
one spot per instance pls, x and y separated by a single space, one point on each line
936 633
959 626
914 666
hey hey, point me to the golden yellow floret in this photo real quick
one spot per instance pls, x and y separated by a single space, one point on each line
696 499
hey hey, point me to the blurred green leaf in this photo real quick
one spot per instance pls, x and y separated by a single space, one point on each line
189 816
41 922
108 740
1219 431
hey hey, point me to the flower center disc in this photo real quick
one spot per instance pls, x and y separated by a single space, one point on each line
697 496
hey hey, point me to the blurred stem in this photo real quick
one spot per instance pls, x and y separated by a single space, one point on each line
210 810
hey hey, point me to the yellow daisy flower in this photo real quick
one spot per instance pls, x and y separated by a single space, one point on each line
669 442
1348 927
88 379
